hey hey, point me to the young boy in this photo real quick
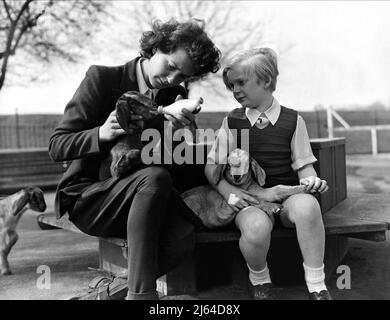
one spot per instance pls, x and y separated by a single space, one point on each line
279 142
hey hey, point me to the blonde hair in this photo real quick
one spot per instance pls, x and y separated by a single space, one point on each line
260 62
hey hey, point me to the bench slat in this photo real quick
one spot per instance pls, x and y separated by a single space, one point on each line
375 207
335 224
63 223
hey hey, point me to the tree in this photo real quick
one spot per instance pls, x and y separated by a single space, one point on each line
224 22
46 29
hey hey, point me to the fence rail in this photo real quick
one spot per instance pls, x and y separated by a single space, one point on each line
33 131
346 128
25 136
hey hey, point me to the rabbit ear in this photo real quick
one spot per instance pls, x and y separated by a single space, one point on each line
217 173
123 113
130 103
258 172
140 98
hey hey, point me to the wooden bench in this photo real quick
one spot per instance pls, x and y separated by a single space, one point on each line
217 260
22 167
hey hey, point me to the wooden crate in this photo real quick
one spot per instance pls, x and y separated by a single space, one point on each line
331 166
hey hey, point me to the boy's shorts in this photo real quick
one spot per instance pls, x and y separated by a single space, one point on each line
278 223
232 225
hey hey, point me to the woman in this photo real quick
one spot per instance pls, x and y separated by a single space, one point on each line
143 207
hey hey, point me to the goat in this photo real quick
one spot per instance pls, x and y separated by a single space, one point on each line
11 210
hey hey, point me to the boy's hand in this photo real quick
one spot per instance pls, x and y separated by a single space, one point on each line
314 184
239 199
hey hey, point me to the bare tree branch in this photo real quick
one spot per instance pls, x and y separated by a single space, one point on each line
181 9
24 7
7 10
223 20
29 24
224 24
64 31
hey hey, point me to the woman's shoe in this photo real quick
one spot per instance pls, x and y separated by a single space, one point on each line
143 296
105 288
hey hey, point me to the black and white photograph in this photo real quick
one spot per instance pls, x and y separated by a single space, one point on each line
211 152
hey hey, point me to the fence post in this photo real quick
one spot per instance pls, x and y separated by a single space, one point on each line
329 118
17 129
374 141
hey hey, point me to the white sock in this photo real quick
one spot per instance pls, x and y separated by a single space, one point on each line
259 277
315 278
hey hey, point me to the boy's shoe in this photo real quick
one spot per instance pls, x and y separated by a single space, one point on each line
143 296
322 295
263 292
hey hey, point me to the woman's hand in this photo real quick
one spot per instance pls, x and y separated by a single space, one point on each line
314 184
111 128
182 112
239 198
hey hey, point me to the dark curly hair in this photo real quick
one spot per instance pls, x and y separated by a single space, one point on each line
190 36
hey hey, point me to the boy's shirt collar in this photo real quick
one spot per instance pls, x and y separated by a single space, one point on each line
143 87
272 113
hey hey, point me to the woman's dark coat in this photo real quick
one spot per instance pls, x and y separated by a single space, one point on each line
76 136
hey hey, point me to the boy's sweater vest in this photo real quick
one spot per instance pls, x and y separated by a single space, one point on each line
271 146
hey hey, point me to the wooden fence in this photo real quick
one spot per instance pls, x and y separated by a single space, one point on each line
33 131
26 131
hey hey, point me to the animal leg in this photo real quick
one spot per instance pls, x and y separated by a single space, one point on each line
284 192
277 193
7 241
124 163
269 208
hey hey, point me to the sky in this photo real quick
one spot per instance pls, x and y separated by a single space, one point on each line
339 56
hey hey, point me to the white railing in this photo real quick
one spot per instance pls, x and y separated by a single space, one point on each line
331 113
